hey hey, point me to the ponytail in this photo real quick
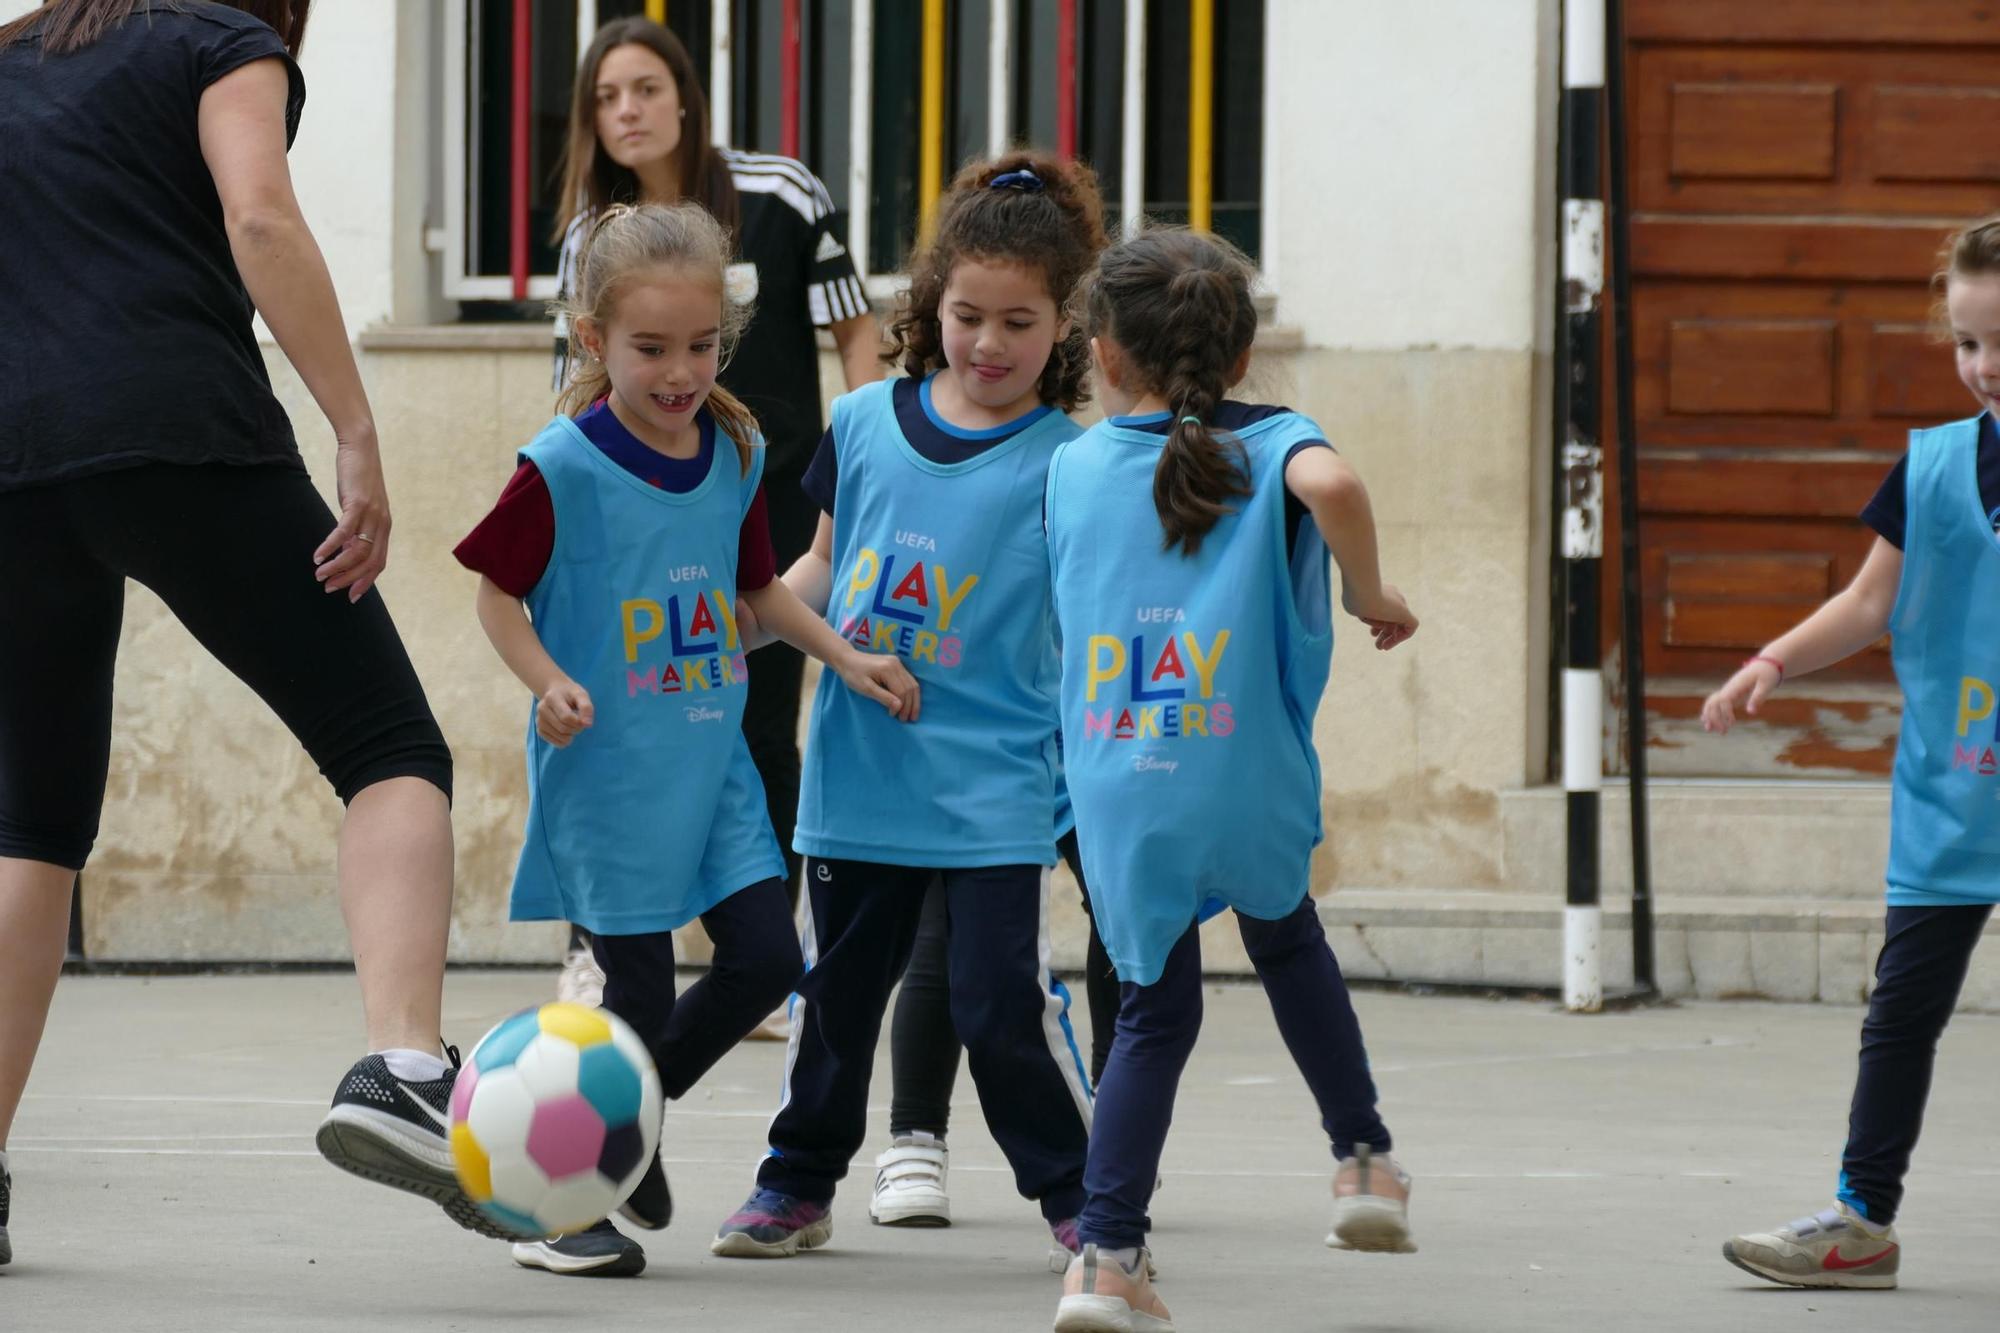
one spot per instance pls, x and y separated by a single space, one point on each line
1178 304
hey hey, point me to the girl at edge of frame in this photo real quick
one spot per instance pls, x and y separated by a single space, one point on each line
610 572
1188 542
1929 580
930 543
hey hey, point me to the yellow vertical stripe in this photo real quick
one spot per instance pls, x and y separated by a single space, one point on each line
1201 111
656 10
930 163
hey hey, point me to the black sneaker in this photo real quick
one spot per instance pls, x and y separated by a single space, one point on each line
600 1251
397 1133
652 1204
6 1192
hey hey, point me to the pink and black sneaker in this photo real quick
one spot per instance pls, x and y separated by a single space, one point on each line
771 1225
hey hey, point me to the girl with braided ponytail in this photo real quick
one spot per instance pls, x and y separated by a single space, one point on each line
1188 540
930 545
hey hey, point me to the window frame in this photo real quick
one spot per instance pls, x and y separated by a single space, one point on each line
452 240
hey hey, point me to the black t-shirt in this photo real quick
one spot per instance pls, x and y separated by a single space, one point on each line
125 336
929 434
1888 512
792 240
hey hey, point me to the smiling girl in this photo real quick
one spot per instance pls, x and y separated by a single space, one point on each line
610 572
1931 580
931 546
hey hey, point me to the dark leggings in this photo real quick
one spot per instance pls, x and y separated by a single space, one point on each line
1925 954
756 964
923 1043
1157 1027
229 550
777 675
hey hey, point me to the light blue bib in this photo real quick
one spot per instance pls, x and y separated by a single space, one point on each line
945 565
1188 691
655 813
1944 813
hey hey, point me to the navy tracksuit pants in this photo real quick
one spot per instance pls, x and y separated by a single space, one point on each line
1157 1026
1925 954
863 924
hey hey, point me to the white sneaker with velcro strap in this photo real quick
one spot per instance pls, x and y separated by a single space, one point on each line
909 1184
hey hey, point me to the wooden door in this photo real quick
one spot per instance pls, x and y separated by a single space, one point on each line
1795 167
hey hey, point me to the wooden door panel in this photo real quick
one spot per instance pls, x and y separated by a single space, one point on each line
1817 367
1725 22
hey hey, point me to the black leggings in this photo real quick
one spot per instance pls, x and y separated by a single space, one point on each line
923 1043
229 550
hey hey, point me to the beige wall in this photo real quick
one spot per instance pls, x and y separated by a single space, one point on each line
218 833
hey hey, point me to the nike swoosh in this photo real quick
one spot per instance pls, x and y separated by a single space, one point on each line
438 1118
1833 1263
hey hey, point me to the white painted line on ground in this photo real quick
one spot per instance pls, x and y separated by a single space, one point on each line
1607 1053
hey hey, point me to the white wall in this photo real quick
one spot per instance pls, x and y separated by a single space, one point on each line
1402 160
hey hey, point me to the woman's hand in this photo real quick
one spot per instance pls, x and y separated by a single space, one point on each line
357 550
883 678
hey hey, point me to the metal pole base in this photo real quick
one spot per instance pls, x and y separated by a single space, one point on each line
1583 972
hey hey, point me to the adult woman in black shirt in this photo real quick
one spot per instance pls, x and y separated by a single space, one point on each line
148 209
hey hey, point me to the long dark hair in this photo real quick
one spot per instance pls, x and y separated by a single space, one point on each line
1056 225
71 25
1178 304
591 181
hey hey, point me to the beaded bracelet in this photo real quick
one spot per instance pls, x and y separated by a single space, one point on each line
1760 657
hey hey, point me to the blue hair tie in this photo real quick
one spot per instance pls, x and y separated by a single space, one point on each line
1024 180
1190 421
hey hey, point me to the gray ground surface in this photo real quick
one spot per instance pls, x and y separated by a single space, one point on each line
1572 1173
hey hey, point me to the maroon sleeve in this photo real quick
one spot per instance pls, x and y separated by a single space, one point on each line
512 544
756 562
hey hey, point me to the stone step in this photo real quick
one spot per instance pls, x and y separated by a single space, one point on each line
1711 947
1714 836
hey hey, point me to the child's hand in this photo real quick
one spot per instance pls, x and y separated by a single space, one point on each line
1387 616
746 622
563 712
883 678
1747 690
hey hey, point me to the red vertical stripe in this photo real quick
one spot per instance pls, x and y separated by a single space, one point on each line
1066 77
788 131
524 33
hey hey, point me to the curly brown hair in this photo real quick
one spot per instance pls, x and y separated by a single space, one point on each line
1058 229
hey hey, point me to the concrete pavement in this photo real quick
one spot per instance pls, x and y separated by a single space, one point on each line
1572 1173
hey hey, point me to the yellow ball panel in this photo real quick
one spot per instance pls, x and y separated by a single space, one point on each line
579 1026
475 1170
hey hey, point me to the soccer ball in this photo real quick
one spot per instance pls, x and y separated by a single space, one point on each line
554 1118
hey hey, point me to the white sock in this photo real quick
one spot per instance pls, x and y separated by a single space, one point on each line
3 1161
923 1138
413 1066
1872 1228
1127 1258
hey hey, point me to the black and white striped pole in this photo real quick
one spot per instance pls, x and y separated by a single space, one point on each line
1580 483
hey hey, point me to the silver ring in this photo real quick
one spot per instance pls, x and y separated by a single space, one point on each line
364 537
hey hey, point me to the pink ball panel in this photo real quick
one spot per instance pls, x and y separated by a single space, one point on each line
566 1137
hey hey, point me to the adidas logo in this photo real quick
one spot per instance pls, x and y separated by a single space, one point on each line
829 248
